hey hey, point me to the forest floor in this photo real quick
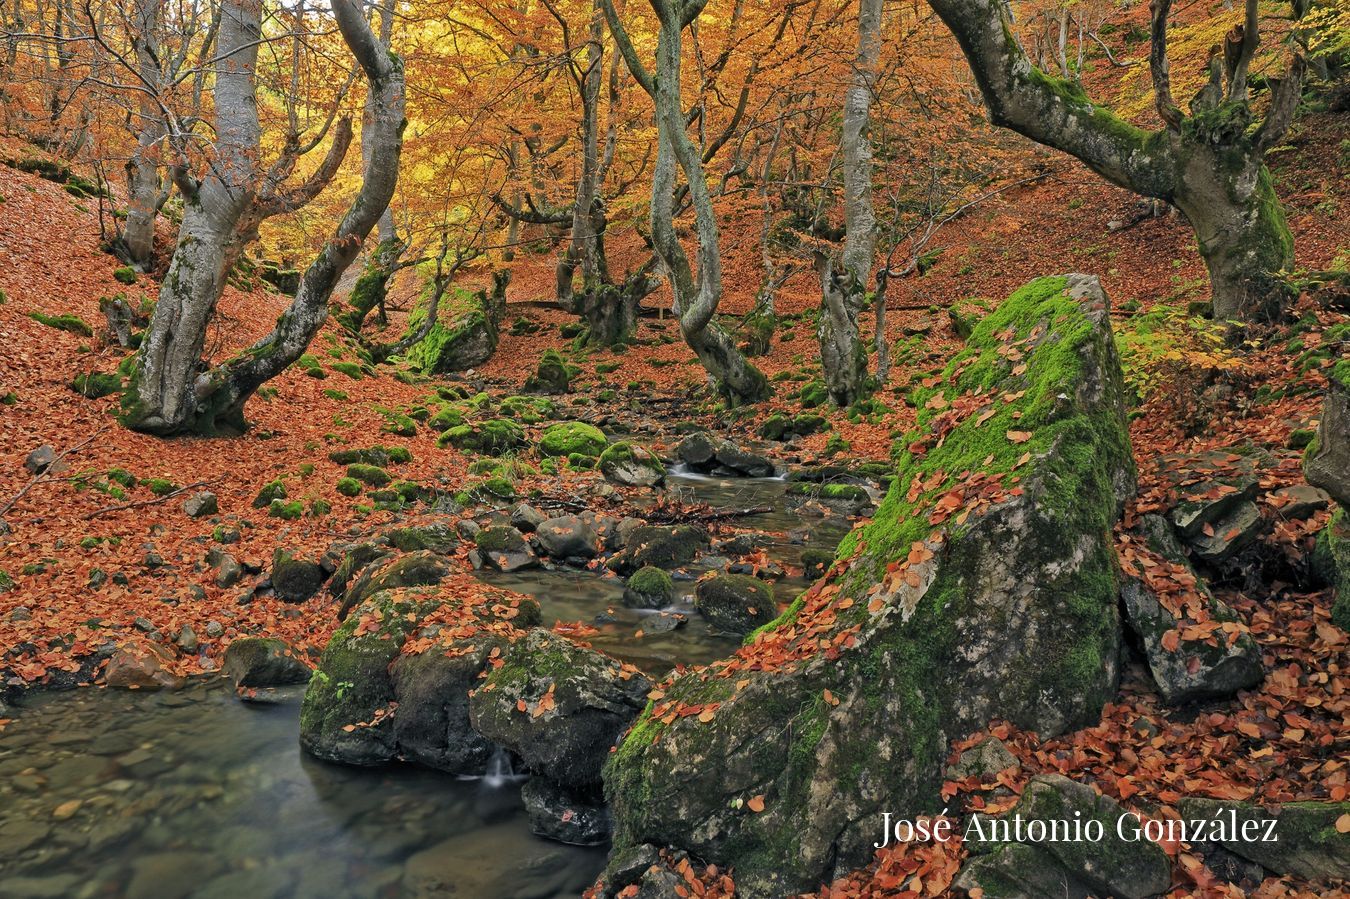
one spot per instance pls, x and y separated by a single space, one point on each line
1286 740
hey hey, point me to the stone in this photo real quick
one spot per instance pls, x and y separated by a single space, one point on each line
742 462
505 549
936 624
1298 502
264 662
436 536
1218 662
39 460
985 760
141 665
1230 483
228 571
355 560
1331 563
567 537
170 875
568 438
1309 845
295 579
1019 871
419 569
649 588
697 450
663 547
576 703
186 640
735 603
526 518
1232 533
630 465
214 629
201 504
557 815
431 726
1327 461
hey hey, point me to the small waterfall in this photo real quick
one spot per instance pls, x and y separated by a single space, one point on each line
500 770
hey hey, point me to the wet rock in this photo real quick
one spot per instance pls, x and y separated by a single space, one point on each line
848 499
51 886
505 549
1232 533
526 518
419 569
557 815
432 726
664 622
295 579
815 562
20 834
1308 843
576 702
698 450
649 588
142 665
735 603
201 504
39 460
1113 866
984 760
1298 502
567 537
264 662
742 462
1196 646
663 547
630 465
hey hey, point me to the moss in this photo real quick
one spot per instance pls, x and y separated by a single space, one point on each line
573 437
287 511
160 486
398 424
446 417
378 455
349 486
350 369
95 385
333 394
271 491
122 476
373 475
1331 560
66 322
125 275
552 375
651 581
490 437
813 394
528 409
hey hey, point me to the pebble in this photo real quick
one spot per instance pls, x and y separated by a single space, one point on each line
67 810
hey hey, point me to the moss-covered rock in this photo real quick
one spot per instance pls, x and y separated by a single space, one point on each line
468 340
551 375
572 437
735 603
528 410
659 546
1327 462
96 384
379 456
348 486
649 588
294 578
630 465
1331 560
272 490
264 662
416 569
492 437
1309 843
377 696
371 475
65 322
505 548
941 616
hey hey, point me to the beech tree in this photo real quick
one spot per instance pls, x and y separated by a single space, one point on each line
1210 164
843 281
172 389
697 294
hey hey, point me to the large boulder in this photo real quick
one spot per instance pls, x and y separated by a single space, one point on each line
295 578
1196 646
1327 462
505 548
568 537
985 588
264 662
1331 559
702 451
558 706
394 680
418 569
1309 841
463 343
567 438
735 603
662 547
631 465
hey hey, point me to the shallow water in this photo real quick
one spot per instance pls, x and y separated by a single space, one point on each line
109 793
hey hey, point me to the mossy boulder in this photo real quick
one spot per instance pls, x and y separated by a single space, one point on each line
1331 560
379 456
492 437
270 492
735 603
568 537
528 410
372 475
294 578
96 384
986 587
1162 595
505 549
572 437
1327 462
1310 844
264 662
416 569
649 588
630 465
847 498
468 340
659 546
393 682
551 375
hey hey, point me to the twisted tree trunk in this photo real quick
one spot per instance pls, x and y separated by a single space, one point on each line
146 189
1209 164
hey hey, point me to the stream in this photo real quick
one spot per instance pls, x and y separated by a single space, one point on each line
108 793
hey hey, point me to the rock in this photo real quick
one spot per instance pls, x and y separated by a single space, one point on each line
214 629
559 707
505 549
815 563
557 815
355 559
1231 534
630 465
1196 646
228 571
617 538
933 629
201 504
349 713
626 868
568 537
664 622
697 450
1231 483
170 875
419 569
1019 871
526 518
742 462
1111 866
39 460
551 376
663 547
435 537
1308 843
491 437
735 603
848 499
567 438
1327 461
649 588
468 341
141 665
984 760
1331 561
264 662
186 640
20 613
467 528
1298 502
295 579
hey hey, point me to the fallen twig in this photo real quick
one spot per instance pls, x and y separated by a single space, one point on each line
45 474
140 504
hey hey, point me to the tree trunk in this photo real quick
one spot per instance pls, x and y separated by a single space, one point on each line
844 293
145 192
1209 164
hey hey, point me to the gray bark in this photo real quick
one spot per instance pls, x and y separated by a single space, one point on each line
1209 164
843 287
146 189
173 390
696 296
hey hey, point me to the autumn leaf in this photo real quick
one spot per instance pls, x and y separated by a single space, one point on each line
1019 436
755 803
